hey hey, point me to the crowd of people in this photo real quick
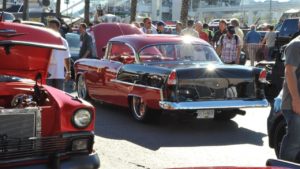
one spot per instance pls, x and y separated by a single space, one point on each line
228 40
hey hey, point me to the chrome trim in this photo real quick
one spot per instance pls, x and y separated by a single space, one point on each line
217 104
133 84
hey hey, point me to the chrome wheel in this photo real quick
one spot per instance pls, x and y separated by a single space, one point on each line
139 107
81 88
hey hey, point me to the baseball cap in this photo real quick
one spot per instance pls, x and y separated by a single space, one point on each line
160 24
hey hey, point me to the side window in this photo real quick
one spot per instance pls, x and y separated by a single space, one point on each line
120 52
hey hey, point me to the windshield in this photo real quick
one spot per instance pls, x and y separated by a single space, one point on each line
178 52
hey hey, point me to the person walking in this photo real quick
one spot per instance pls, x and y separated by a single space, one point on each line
199 29
290 148
222 30
86 42
147 28
238 31
269 40
229 47
190 31
252 41
209 33
60 59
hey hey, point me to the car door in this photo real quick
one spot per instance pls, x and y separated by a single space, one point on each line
117 55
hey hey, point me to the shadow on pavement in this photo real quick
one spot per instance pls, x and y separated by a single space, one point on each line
172 131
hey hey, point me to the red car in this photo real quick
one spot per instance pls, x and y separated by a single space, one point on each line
40 126
152 73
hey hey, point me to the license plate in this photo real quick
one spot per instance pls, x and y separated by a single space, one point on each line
205 114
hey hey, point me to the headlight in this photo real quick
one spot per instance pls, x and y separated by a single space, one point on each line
82 118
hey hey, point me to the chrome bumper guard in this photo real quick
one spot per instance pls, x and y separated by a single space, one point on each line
218 104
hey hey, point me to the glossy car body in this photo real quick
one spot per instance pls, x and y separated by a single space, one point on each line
40 126
135 73
276 124
103 32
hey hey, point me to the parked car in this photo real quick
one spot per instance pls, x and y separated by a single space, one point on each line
275 74
8 17
155 73
276 125
270 164
103 32
40 126
33 23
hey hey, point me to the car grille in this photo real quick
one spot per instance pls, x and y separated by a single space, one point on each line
32 147
20 123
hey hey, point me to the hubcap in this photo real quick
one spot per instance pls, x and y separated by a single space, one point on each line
139 107
81 89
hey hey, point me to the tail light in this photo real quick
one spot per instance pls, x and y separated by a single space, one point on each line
263 76
172 79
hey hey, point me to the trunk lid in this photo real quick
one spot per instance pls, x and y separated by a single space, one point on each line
197 82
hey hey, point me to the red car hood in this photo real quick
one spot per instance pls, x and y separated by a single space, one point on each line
25 50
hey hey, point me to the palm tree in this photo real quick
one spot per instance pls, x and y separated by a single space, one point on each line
87 11
4 5
133 10
57 11
184 11
25 10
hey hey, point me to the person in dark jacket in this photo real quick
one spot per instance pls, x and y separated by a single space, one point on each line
222 30
86 42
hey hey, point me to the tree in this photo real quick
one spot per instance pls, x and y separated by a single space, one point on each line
25 10
4 5
133 10
87 11
184 11
57 11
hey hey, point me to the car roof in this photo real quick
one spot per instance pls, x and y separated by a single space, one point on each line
142 40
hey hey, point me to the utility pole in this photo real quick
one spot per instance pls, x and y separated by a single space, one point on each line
25 9
57 9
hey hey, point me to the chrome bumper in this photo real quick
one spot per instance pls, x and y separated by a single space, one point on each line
218 104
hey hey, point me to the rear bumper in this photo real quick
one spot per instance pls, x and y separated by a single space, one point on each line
91 161
218 104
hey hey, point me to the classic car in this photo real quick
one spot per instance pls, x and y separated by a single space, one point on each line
151 73
275 74
276 124
40 126
270 164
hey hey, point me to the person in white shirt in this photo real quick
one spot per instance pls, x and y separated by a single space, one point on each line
147 28
190 31
60 59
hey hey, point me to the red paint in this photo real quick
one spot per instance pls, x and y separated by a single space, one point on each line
105 31
26 58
